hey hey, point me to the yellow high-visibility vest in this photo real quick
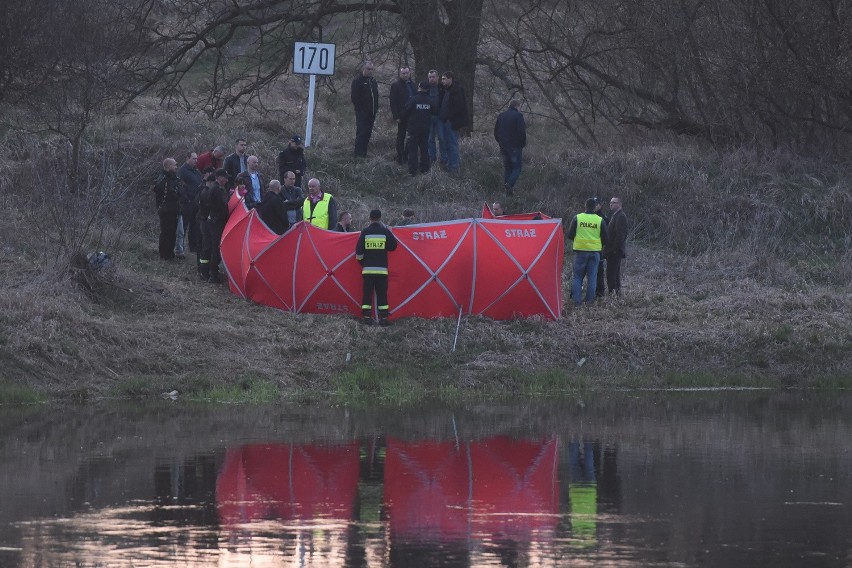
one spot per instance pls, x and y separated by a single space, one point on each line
588 237
319 218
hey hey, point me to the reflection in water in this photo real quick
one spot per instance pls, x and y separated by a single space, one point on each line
754 486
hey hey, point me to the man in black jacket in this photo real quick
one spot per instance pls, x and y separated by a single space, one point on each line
365 98
237 162
437 144
292 159
510 131
187 226
214 202
418 117
167 195
616 250
371 251
400 92
293 197
454 117
273 210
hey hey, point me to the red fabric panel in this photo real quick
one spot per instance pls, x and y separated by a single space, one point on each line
501 269
515 270
232 247
430 270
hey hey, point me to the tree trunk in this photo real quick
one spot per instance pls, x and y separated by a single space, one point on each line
444 35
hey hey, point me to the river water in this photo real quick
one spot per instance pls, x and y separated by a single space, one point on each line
746 478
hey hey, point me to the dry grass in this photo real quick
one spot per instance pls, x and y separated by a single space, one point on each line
738 273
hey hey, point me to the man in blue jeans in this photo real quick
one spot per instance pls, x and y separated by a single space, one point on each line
588 231
453 114
436 127
510 132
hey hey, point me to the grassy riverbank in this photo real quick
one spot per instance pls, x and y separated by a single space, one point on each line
738 275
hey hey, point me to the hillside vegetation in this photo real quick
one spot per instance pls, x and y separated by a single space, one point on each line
738 271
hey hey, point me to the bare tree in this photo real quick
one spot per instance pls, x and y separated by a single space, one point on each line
768 72
217 55
78 66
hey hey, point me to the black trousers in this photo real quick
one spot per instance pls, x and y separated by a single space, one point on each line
377 283
418 149
600 287
211 235
192 230
168 233
363 132
401 145
613 273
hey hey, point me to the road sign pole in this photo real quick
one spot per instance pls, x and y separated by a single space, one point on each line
312 59
309 126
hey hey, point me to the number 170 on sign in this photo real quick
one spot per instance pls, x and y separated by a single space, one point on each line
313 58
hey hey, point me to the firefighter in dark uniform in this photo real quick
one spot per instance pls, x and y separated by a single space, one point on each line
213 202
374 244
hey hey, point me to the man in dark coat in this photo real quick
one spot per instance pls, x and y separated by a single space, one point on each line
454 117
292 159
365 99
510 131
418 116
293 197
371 251
236 163
616 249
217 217
273 210
437 144
190 177
400 92
167 195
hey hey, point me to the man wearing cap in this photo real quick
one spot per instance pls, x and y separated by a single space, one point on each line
319 208
371 251
408 218
400 92
588 231
292 159
214 202
417 114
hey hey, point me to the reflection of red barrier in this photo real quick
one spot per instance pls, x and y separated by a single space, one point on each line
516 488
498 486
497 268
426 490
288 482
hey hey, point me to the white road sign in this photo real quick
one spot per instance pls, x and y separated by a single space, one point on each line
313 58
